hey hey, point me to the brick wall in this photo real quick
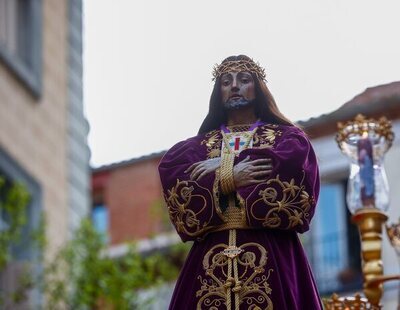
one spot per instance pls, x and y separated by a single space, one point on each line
132 194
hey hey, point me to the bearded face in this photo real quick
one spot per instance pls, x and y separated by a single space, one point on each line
237 89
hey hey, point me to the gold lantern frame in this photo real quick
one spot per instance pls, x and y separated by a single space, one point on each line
370 221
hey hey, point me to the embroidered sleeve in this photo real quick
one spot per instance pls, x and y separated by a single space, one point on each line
287 199
193 206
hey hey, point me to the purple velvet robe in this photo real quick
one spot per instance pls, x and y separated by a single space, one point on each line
272 269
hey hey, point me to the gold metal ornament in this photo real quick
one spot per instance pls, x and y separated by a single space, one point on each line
348 303
368 215
232 251
370 222
381 129
393 232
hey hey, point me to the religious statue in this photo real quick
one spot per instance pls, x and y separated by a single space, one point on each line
241 190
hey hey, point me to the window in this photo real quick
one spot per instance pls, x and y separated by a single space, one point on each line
23 252
8 25
20 40
100 220
332 244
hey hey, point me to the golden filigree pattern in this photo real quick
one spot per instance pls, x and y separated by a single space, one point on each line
186 220
285 199
252 278
265 137
213 142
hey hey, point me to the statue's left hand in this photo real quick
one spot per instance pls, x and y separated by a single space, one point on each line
202 168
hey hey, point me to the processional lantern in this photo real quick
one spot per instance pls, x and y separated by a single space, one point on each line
365 141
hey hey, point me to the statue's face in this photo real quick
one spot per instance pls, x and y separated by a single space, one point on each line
237 89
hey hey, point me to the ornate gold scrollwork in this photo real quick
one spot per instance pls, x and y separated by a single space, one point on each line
267 137
213 142
285 199
252 279
186 219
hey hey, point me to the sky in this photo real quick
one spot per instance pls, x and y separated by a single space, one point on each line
148 63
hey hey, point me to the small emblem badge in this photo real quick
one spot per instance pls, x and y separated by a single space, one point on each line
232 251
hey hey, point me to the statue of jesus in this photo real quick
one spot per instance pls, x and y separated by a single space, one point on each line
242 190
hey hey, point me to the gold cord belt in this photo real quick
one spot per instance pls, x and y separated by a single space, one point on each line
232 284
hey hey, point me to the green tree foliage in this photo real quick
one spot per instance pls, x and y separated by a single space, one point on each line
82 276
14 199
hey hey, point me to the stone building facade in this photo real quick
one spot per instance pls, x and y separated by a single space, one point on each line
43 131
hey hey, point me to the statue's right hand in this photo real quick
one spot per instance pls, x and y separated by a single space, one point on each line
199 170
248 172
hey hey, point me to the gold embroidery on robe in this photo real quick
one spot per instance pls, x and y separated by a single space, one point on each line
264 137
178 198
267 136
286 199
213 143
252 284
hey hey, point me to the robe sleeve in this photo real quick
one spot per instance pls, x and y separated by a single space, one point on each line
193 206
287 199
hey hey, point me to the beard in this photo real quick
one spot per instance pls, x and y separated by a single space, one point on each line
238 104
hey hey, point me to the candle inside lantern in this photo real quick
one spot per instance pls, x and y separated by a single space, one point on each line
366 163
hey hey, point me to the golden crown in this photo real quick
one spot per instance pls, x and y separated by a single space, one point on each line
381 128
238 66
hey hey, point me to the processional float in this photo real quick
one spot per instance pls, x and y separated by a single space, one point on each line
365 141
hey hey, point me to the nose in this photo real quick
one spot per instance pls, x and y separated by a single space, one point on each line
235 84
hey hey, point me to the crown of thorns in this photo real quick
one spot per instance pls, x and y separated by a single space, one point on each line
238 66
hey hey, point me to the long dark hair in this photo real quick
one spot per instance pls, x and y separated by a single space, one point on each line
265 107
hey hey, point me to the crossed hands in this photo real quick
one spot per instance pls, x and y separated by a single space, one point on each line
246 172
